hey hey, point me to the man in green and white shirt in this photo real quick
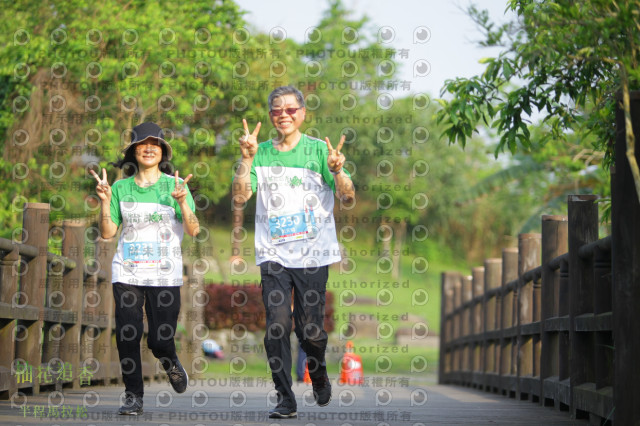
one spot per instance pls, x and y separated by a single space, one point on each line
295 177
295 202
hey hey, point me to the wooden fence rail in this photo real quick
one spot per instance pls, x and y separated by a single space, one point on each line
536 324
56 312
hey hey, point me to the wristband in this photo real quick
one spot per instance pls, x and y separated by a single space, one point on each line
335 173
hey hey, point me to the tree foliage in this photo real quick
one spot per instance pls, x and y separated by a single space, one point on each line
76 78
563 60
72 84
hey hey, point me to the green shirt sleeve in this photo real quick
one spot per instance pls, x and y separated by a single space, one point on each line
116 214
190 203
254 177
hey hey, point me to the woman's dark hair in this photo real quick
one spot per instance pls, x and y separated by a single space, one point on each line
129 164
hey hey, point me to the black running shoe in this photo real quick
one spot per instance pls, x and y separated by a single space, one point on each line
178 377
283 411
321 390
132 406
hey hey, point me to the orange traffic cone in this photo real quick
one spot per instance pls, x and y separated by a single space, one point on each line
351 367
307 377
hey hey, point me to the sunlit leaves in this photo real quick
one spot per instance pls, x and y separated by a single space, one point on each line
561 63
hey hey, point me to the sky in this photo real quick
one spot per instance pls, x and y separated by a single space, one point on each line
437 34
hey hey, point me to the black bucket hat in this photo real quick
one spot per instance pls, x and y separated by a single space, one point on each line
148 130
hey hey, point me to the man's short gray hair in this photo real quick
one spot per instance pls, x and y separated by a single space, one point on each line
286 90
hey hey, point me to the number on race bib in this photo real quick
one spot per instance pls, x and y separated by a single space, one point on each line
292 226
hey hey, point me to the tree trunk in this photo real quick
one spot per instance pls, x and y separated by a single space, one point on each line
400 232
385 235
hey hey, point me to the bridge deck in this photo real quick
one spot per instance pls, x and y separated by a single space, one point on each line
221 402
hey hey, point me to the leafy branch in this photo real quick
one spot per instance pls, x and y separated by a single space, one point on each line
565 61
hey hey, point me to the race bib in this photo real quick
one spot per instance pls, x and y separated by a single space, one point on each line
292 226
141 252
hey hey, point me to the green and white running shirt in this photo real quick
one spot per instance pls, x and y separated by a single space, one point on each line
294 206
149 250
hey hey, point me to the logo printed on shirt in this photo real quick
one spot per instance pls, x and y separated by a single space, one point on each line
155 217
294 181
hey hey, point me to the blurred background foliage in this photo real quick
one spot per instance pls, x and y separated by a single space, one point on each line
431 193
72 84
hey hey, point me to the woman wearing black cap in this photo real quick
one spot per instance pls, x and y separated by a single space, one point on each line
155 210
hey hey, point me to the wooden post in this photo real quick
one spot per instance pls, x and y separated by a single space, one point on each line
466 327
54 317
89 329
493 279
477 290
466 296
105 250
8 291
625 250
476 326
554 244
72 284
457 323
491 315
446 307
507 357
528 259
583 229
603 306
35 232
564 342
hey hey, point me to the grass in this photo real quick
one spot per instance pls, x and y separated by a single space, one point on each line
392 361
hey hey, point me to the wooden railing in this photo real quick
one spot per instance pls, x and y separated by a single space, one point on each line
56 312
555 320
537 323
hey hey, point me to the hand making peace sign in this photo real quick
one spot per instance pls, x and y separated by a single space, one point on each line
180 192
249 141
336 159
102 189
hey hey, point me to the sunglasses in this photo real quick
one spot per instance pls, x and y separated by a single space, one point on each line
278 112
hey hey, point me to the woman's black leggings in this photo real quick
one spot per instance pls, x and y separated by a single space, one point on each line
162 306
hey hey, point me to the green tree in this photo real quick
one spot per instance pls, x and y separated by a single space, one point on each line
75 77
407 181
538 182
566 61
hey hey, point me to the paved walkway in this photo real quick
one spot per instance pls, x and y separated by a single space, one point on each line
221 402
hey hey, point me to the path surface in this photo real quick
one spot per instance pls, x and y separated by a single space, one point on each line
221 402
